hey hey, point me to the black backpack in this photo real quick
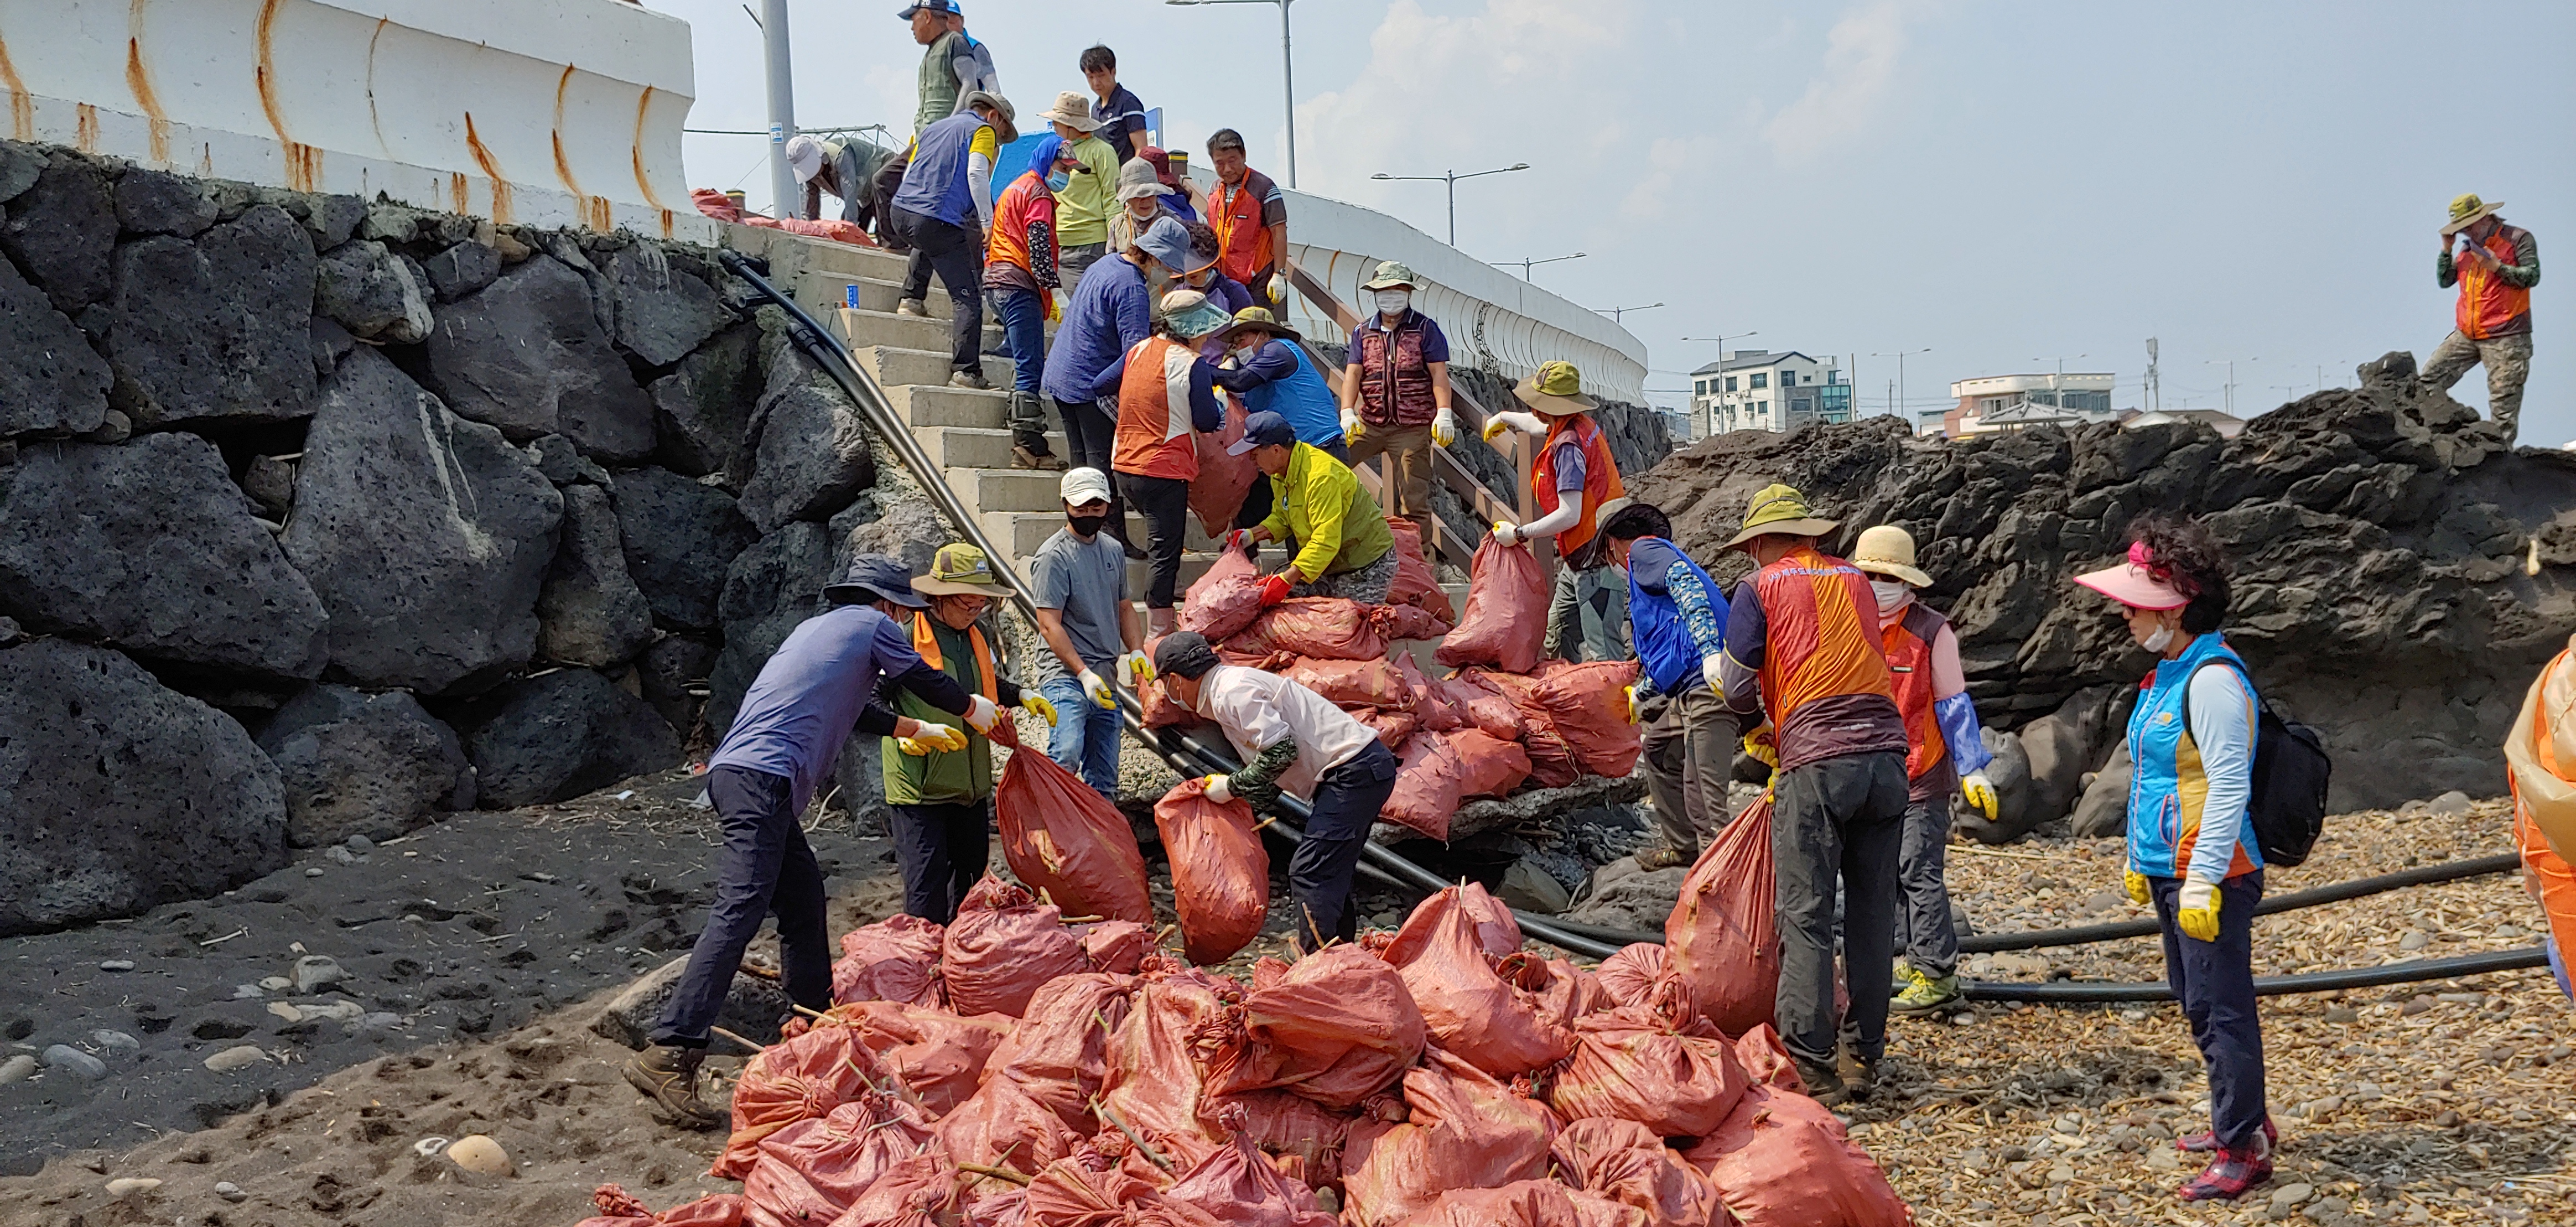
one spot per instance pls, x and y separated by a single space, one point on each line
2291 768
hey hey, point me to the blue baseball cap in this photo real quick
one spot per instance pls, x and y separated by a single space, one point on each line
874 576
1263 429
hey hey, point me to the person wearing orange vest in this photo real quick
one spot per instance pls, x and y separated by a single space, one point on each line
1020 276
2540 767
1573 477
1943 750
1250 215
2495 268
1803 646
1165 391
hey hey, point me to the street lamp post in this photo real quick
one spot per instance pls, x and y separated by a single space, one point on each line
1901 355
1618 314
784 194
1451 178
1526 265
1287 73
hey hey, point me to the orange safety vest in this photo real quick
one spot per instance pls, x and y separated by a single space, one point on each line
1243 243
1908 647
1153 436
2488 303
926 645
1821 639
1600 476
1025 201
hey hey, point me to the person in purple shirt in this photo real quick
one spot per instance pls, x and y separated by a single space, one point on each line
815 690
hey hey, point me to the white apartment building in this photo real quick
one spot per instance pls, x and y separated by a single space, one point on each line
1756 389
2010 402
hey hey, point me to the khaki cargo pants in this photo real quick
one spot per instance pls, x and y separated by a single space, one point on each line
1408 453
2508 363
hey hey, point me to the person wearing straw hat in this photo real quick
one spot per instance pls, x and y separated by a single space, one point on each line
2495 268
943 209
1021 278
1571 480
1395 390
2192 851
1110 311
1943 750
1802 648
1344 547
1078 581
1165 391
1267 366
812 694
1084 204
1689 735
942 802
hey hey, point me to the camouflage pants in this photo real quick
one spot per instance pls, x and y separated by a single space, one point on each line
2508 363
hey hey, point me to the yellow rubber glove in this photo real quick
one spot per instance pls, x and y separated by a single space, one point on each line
1759 744
1979 793
1493 426
1135 669
2196 909
1097 687
1634 717
1036 704
2136 883
944 738
1352 428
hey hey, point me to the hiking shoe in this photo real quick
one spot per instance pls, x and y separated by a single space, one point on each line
1926 994
1661 856
2230 1174
912 306
1823 1084
971 380
2206 1140
1859 1077
1023 458
668 1075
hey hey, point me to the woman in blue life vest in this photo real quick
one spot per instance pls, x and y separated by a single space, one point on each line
2192 851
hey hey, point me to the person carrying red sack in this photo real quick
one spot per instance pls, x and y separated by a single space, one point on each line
1344 547
1802 644
1572 479
1690 736
1291 740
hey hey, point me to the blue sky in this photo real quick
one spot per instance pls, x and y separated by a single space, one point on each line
1998 182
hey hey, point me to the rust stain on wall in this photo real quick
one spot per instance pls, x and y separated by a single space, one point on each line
666 223
643 183
140 81
491 170
456 193
22 109
303 162
85 129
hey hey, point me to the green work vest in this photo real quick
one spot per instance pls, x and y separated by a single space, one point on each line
959 777
938 80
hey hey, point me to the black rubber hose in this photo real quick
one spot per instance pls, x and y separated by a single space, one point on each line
2079 992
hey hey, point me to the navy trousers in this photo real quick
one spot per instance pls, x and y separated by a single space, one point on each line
765 867
1837 821
2215 983
942 849
1347 801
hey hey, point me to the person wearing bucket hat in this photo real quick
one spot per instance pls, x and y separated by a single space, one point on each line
1140 201
1088 197
1078 582
1395 398
1574 476
1689 736
942 803
2495 268
2192 851
1020 277
1943 749
1344 547
813 692
1269 369
943 209
1111 311
1802 648
1164 391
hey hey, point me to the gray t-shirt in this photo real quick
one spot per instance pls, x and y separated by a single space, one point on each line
1087 580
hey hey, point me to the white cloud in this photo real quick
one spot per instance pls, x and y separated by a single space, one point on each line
1862 55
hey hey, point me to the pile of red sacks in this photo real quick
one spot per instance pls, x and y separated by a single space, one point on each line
1441 1075
1505 719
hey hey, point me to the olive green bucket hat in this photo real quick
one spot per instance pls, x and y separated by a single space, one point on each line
959 569
1556 390
1776 508
2466 210
1390 275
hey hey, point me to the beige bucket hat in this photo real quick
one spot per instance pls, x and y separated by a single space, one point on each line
1888 550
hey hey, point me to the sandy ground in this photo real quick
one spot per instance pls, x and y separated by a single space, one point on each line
2440 1102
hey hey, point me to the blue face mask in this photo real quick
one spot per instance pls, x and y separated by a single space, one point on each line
1057 181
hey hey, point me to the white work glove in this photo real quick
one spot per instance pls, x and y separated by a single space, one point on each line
1217 790
1135 670
1526 423
2196 909
943 738
1444 427
1710 670
1097 687
1350 427
1979 793
1506 535
981 714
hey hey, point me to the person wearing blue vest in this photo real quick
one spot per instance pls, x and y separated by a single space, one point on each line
2192 850
1271 372
1689 734
943 209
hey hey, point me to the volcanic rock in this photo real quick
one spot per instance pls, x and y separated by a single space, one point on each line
158 202
681 537
217 327
774 584
372 292
561 734
701 409
589 611
527 353
666 672
50 379
61 230
460 269
812 456
356 764
664 305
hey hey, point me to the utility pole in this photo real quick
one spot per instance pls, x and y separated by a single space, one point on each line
784 195
1900 356
2230 364
2154 392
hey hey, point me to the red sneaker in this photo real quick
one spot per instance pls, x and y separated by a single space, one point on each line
2203 1142
2230 1175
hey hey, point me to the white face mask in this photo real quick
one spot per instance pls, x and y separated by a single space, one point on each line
2162 639
1891 593
1393 302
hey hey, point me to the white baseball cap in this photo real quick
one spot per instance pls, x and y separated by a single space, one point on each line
1083 485
804 156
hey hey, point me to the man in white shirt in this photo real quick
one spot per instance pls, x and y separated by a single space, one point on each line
1291 740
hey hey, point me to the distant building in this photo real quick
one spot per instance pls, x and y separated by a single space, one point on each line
2012 402
1756 389
2227 425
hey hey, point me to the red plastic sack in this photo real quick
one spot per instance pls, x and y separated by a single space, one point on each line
1236 1187
1629 1163
1588 705
1497 933
1724 934
1630 975
895 959
1305 1138
1217 493
917 1192
1003 947
1089 1188
1118 947
1154 1085
1393 728
1431 701
1783 1159
1320 627
1506 612
1060 1051
1224 600
1336 1028
1426 792
1566 993
1527 1203
936 1056
1631 1064
1464 1131
721 207
1006 1207
1416 583
1353 683
810 1171
1552 762
1396 622
794 1079
1766 1060
1484 706
619 1208
1220 871
1006 1126
1063 838
1468 1008
1489 767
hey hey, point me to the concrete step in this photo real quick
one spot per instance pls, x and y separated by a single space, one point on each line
1007 489
823 290
853 261
893 366
1141 574
961 448
857 328
938 405
1020 532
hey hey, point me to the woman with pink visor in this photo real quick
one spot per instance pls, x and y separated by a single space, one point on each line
2192 850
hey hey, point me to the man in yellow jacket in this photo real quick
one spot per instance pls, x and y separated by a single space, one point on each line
1344 547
